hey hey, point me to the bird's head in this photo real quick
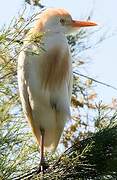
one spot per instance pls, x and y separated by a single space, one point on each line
59 20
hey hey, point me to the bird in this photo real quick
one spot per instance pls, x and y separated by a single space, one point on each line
45 78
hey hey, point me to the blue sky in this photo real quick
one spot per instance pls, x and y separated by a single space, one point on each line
104 58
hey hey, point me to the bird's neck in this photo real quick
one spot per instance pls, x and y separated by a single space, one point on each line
53 39
49 38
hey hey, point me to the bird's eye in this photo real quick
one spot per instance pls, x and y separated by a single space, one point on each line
62 21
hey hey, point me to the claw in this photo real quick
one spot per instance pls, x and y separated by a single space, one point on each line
43 166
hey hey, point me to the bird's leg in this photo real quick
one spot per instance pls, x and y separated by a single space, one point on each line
43 165
42 160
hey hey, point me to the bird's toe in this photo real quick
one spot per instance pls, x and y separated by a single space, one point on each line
43 166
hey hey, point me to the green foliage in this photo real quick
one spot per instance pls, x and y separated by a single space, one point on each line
34 3
93 158
17 146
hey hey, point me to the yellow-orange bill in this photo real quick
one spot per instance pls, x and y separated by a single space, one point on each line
82 23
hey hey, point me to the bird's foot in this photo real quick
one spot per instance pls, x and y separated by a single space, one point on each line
43 166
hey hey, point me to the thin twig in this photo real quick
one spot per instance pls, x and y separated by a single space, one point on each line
92 79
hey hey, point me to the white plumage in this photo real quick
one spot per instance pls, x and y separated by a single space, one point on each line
45 95
45 79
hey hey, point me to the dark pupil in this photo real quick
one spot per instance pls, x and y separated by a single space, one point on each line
62 21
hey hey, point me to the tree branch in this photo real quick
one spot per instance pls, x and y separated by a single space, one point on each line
87 159
92 79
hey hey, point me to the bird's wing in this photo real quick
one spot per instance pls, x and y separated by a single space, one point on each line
22 83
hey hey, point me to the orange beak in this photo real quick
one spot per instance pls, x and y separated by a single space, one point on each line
82 23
